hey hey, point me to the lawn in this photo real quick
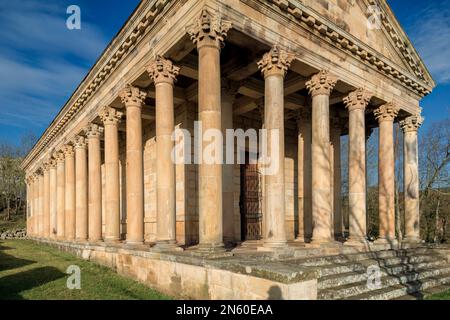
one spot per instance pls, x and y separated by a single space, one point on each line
440 296
31 271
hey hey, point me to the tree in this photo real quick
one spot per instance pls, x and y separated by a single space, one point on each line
434 160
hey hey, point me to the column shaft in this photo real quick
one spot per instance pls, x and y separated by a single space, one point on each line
95 183
53 200
336 181
386 173
46 215
320 87
110 118
41 205
69 203
410 127
164 73
304 176
133 99
81 173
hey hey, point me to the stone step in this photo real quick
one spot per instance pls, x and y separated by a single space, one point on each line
355 257
361 266
425 293
335 280
402 290
359 288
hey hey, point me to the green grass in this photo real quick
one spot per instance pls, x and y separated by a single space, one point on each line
440 296
31 271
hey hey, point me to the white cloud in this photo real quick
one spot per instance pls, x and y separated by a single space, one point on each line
41 61
430 34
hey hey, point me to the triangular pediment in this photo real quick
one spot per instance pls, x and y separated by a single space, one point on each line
373 23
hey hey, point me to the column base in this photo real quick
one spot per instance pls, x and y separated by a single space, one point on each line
387 242
113 240
162 246
356 242
412 240
211 251
274 244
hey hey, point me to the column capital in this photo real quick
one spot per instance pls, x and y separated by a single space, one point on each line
110 116
79 142
68 151
386 112
162 70
46 166
321 83
93 131
412 123
358 99
59 156
276 61
209 30
132 96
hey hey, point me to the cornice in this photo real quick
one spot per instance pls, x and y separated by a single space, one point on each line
138 25
339 38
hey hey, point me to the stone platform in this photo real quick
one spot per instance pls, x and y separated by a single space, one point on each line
301 272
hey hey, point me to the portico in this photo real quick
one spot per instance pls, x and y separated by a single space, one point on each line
104 172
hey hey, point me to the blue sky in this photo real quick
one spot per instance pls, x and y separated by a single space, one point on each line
42 62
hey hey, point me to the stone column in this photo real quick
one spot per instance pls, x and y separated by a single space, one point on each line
60 195
53 199
274 67
30 193
335 164
386 172
133 98
163 73
69 203
320 87
111 118
46 199
28 208
41 204
35 204
410 126
93 134
229 91
208 33
304 175
356 103
81 177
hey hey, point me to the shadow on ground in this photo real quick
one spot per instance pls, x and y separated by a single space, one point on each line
12 285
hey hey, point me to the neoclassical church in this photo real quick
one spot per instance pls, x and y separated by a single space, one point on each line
102 181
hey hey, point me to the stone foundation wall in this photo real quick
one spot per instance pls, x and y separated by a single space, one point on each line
188 277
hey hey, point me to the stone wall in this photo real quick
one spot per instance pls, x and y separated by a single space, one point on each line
189 277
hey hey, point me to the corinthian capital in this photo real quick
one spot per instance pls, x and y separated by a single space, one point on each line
162 70
209 29
79 142
68 151
412 123
387 112
276 61
59 156
132 96
110 116
357 100
93 131
321 83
